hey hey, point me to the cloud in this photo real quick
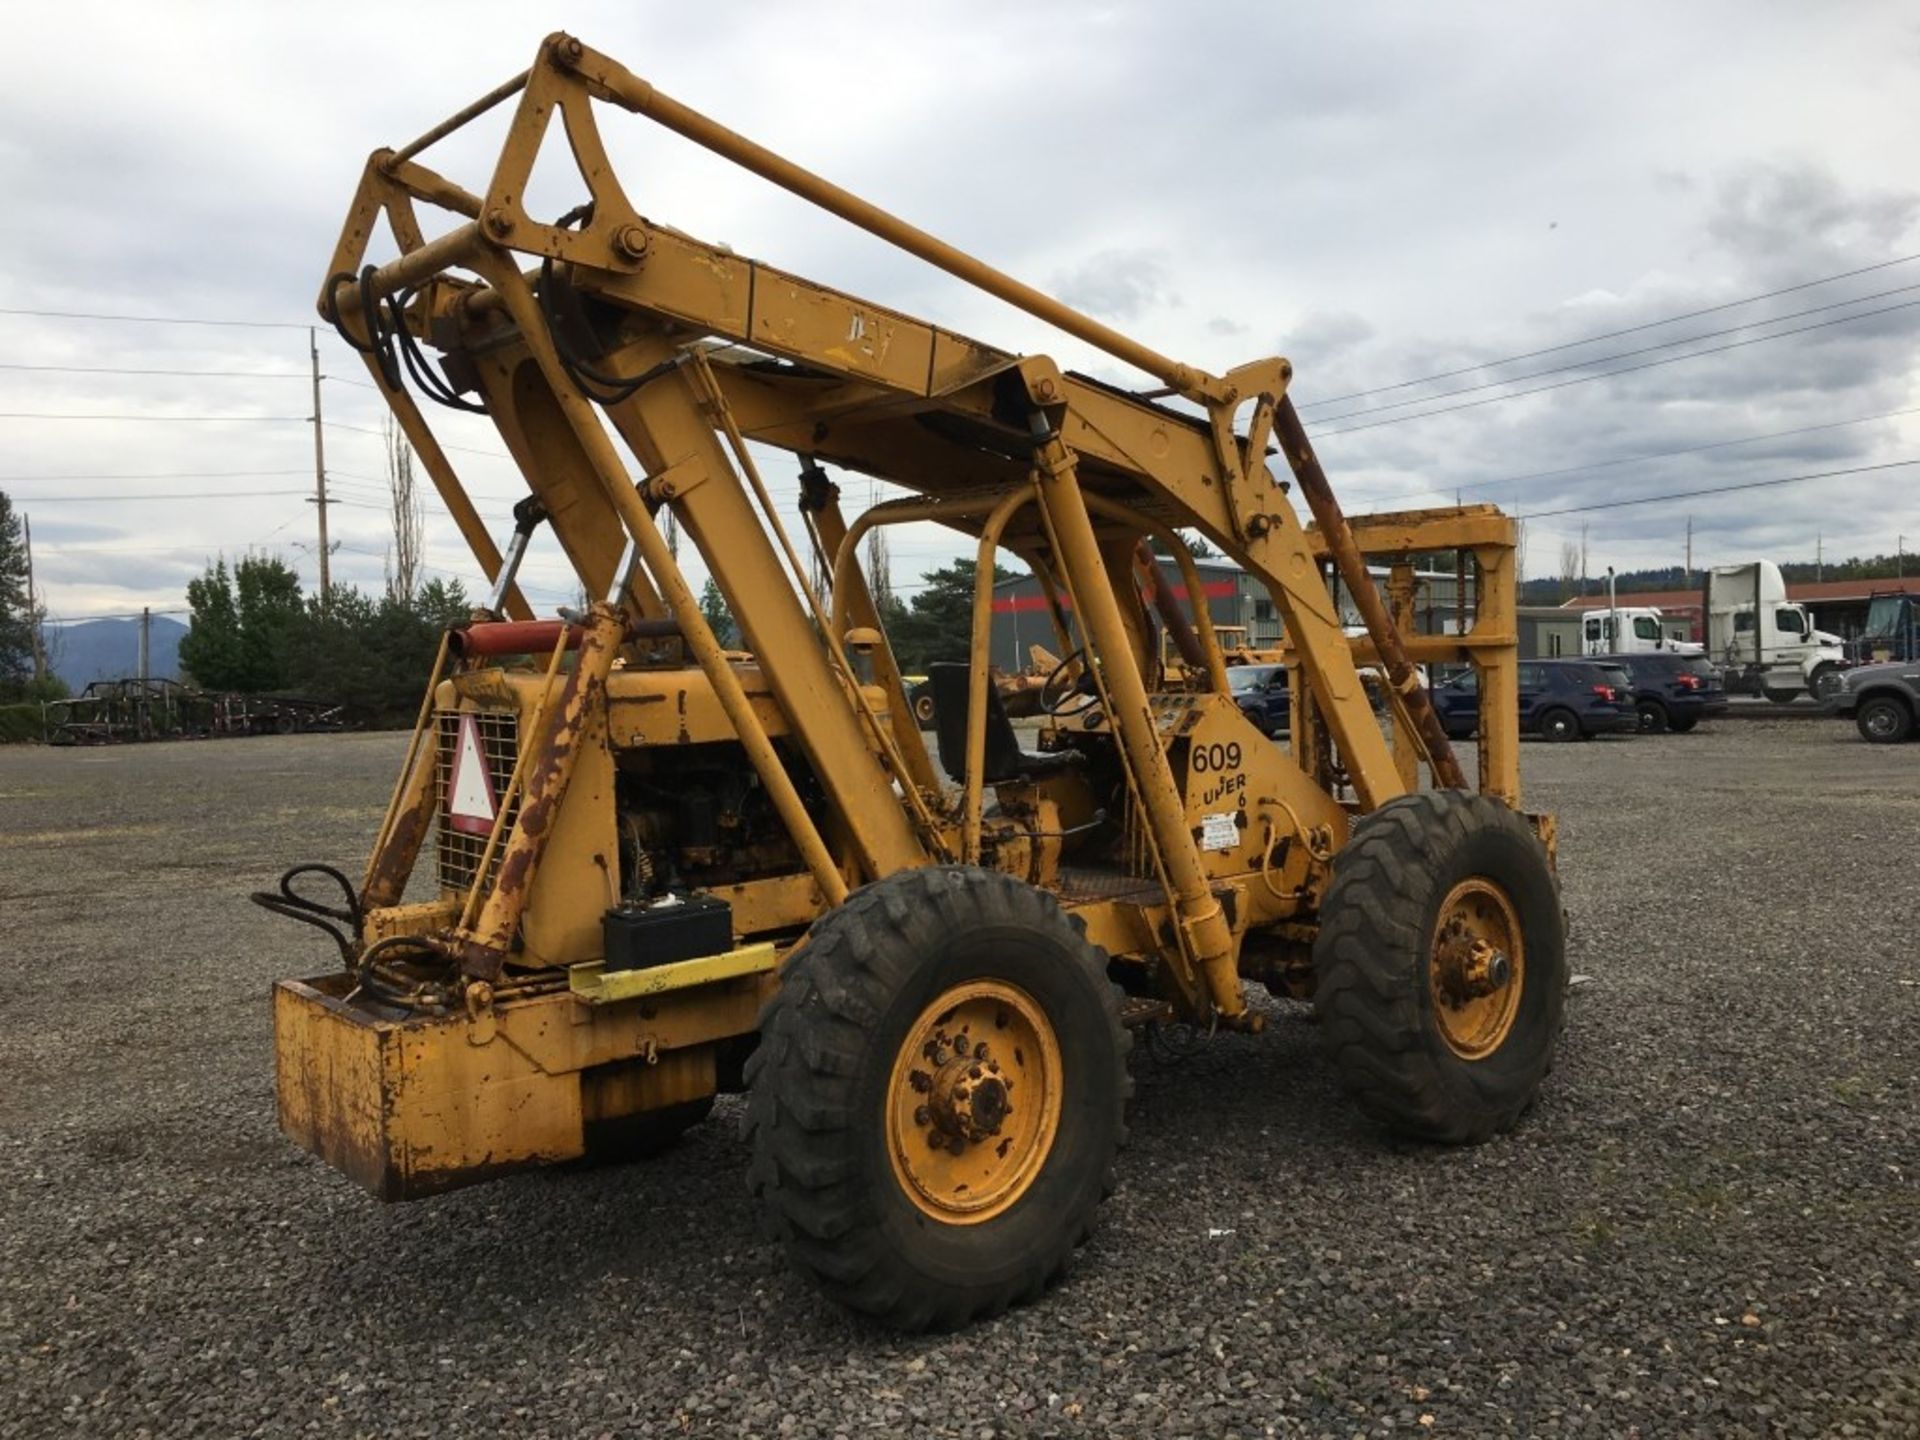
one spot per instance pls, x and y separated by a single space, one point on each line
1373 215
1117 284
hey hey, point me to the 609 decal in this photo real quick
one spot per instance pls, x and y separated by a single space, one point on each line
1216 757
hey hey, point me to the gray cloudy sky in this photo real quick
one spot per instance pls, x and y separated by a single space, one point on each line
1379 192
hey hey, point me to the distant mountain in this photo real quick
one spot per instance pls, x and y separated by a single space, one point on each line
110 650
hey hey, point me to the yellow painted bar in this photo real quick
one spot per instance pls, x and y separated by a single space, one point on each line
597 985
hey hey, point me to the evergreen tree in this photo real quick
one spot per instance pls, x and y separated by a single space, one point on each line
242 624
938 623
713 606
16 619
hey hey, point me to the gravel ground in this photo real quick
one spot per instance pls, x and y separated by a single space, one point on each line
1709 1226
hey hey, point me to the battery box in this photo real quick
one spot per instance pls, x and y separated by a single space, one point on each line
641 936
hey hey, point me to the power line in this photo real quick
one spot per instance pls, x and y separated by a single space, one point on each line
155 475
1718 489
381 435
1623 370
190 419
115 615
197 374
1642 459
167 495
151 319
1615 334
1621 354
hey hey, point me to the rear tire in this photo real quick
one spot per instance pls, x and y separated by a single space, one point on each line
1882 720
1653 718
1419 1055
1559 725
1782 697
852 1084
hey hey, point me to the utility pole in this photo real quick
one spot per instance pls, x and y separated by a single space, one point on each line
319 500
1819 557
1900 557
33 608
1583 559
146 645
1689 552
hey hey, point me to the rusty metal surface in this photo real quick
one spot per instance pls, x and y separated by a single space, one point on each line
548 764
1352 566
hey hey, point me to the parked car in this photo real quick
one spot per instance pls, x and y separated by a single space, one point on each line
1261 692
1670 691
1884 700
1559 700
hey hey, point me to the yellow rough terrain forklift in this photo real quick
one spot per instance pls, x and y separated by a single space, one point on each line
661 870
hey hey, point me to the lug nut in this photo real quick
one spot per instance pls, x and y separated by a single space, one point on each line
921 1115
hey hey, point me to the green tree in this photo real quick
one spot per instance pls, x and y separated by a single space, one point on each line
16 618
443 604
242 624
372 654
713 606
210 650
938 623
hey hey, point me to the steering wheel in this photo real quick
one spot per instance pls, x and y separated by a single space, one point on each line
1056 692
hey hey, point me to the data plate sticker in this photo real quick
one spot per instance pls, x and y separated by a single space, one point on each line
1219 832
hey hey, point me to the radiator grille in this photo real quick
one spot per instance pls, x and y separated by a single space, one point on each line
459 852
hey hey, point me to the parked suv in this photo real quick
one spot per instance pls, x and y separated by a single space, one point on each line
1261 692
1559 700
1884 700
1671 692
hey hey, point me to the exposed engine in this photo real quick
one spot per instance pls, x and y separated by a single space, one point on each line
697 816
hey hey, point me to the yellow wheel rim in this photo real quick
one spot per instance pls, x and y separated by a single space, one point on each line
1477 968
973 1103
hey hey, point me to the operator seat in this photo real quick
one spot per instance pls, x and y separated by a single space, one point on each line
1004 759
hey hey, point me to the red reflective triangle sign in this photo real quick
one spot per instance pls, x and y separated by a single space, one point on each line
471 807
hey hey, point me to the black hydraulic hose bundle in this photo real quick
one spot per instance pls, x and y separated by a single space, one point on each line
289 902
557 295
392 344
371 967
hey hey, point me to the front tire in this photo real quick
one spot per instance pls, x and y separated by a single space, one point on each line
1440 968
1882 720
938 1097
1559 725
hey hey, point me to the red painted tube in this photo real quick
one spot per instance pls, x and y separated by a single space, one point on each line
514 637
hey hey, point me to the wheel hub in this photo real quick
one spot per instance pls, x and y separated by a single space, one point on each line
1476 968
974 1101
969 1099
1467 966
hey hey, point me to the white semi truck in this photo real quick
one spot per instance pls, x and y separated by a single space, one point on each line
1765 643
1634 630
